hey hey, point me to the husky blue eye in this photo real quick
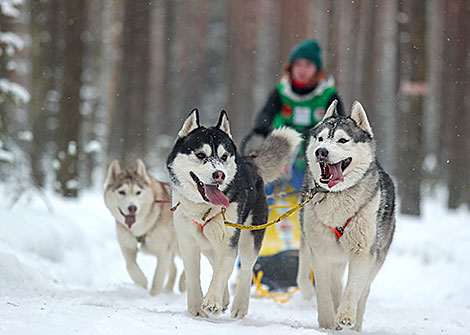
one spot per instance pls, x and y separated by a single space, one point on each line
343 140
122 193
201 155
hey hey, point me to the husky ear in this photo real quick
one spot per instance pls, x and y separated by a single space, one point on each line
113 170
141 171
191 123
223 123
331 111
358 114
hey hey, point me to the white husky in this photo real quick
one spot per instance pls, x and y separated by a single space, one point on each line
141 207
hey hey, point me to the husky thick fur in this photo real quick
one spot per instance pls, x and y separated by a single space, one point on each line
141 208
341 158
207 174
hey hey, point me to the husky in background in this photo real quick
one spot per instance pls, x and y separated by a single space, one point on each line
141 207
352 224
207 174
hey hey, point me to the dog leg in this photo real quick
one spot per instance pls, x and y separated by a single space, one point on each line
248 256
133 269
337 271
182 282
128 245
210 255
171 276
321 273
361 307
226 299
163 263
223 267
303 274
358 276
191 255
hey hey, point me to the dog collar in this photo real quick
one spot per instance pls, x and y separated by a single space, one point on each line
339 231
141 239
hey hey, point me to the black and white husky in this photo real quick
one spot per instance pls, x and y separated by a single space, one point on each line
206 174
352 224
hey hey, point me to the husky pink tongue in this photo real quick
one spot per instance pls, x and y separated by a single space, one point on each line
130 220
336 174
216 196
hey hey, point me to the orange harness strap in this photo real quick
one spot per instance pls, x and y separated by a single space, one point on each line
339 231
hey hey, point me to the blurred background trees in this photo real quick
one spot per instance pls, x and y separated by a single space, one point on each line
86 81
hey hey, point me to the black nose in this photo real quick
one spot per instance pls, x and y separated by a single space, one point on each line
321 153
132 209
218 176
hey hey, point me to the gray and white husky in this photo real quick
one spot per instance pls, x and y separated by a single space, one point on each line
207 174
351 224
141 208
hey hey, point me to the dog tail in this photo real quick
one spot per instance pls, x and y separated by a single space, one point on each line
276 152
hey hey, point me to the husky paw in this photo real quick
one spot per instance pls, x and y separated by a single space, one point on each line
154 292
326 321
139 280
239 313
211 306
137 275
344 320
307 292
168 290
197 312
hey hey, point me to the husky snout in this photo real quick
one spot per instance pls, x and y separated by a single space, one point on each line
218 176
321 154
132 209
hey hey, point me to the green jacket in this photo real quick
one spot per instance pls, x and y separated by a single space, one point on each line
303 112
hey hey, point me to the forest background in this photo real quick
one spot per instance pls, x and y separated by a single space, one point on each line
83 82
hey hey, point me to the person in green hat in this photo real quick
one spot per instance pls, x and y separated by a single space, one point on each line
299 100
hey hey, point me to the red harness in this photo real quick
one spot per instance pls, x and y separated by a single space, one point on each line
162 201
339 231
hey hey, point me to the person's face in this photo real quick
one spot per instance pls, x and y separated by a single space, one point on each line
303 70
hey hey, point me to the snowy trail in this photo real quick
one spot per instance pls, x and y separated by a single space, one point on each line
62 273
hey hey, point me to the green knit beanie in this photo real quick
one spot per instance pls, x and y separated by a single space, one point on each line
309 49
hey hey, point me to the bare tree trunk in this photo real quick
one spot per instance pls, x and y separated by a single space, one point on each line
242 46
432 117
331 50
384 110
294 19
172 115
70 119
268 61
459 117
346 45
216 94
412 75
41 77
367 61
129 122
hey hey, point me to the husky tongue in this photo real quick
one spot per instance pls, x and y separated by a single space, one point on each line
216 196
336 174
130 220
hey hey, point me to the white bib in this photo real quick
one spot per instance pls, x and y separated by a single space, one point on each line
302 116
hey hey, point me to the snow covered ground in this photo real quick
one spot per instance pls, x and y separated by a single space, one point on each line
61 272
